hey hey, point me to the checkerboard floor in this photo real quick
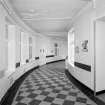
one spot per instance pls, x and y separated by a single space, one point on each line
47 86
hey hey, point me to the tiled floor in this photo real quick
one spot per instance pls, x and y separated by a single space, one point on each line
49 85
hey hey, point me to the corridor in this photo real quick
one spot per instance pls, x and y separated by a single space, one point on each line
48 85
52 52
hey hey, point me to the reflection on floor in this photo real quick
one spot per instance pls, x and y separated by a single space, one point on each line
49 85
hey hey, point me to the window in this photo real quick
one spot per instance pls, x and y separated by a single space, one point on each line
30 48
71 47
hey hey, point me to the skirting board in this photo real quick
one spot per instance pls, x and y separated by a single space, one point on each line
83 66
100 92
83 88
48 56
10 94
55 61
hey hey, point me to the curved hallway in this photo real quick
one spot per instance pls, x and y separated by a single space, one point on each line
48 85
34 33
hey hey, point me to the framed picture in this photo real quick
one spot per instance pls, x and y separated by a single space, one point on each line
85 46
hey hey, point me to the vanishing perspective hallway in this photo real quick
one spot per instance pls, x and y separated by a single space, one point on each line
48 85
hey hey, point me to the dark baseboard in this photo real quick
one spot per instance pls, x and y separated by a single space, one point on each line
100 92
49 56
27 60
84 88
55 61
83 66
10 94
36 58
79 83
17 64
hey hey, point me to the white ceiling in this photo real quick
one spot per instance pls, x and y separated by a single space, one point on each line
50 17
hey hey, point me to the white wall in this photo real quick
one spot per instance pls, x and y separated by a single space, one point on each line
14 48
63 47
33 47
71 49
24 47
4 83
47 44
18 44
10 37
100 55
83 30
11 49
3 43
100 8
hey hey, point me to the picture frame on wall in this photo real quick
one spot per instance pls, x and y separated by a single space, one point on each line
85 46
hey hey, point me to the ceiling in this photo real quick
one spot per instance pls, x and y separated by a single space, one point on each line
49 17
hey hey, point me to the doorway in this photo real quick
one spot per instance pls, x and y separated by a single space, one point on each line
100 57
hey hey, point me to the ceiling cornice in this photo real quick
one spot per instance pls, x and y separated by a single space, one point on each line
94 3
58 38
18 21
56 34
8 8
81 11
49 19
53 32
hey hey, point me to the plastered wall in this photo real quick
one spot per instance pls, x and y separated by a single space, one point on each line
3 43
83 30
100 58
14 51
